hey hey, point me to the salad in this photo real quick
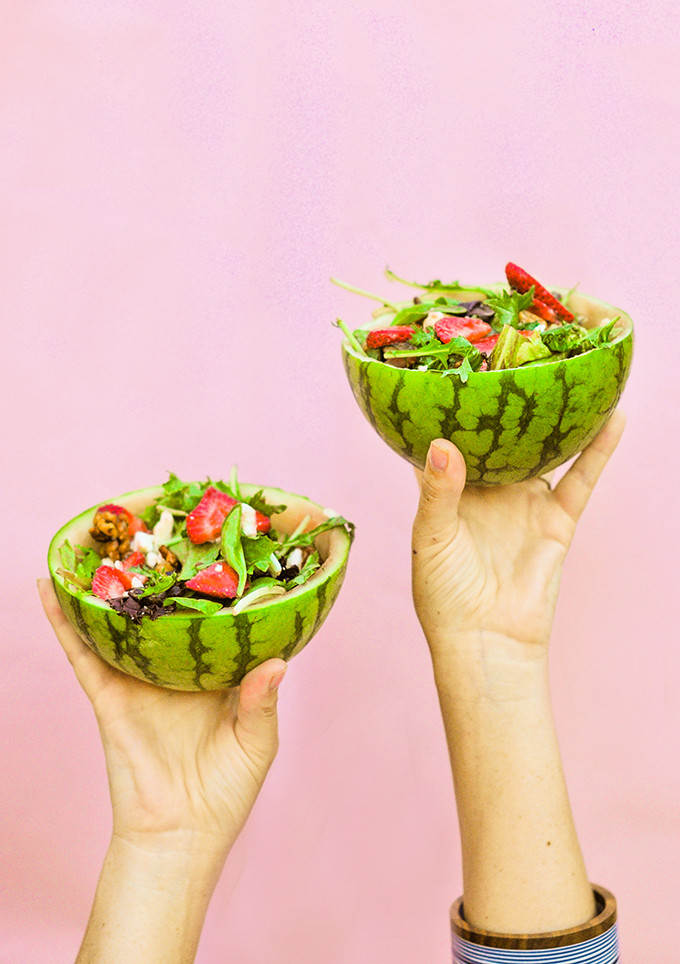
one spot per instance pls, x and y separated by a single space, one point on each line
200 546
498 328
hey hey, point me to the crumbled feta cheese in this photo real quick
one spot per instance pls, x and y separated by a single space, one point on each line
108 562
295 558
143 542
163 528
248 521
137 583
118 564
152 559
218 568
274 566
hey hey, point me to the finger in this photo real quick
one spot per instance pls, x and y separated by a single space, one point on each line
442 484
86 664
256 724
575 487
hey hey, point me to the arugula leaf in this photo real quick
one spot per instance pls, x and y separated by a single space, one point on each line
602 335
437 285
574 339
507 306
194 557
257 552
311 564
206 606
462 371
438 357
157 582
564 338
303 539
260 504
232 550
412 314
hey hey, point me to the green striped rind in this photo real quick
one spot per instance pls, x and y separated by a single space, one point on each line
510 425
190 651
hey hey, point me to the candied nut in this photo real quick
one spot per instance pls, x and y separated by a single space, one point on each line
170 561
111 529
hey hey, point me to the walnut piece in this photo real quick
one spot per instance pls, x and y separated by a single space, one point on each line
170 561
111 530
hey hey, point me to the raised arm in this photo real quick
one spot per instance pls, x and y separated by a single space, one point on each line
486 573
184 771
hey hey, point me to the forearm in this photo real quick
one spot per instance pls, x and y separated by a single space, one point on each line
523 871
151 902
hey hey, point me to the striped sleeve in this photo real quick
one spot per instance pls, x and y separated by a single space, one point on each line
595 942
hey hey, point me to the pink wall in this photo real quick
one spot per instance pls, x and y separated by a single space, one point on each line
177 183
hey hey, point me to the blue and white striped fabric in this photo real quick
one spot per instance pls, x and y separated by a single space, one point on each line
603 949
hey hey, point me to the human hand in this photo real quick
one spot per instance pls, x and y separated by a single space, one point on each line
181 766
487 561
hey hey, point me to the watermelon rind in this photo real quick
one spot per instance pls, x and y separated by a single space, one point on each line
187 650
510 425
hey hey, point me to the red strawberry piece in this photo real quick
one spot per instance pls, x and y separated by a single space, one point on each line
382 337
217 580
132 559
262 522
135 524
487 345
521 281
205 521
107 583
544 311
474 329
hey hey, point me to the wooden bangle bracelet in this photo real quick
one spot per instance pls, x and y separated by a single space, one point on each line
605 917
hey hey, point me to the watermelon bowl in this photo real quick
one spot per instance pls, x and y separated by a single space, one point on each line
510 425
187 650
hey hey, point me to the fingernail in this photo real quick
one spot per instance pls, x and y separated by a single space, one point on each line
439 458
276 679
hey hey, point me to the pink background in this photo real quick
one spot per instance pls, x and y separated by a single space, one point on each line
177 183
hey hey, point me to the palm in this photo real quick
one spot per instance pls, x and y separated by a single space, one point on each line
489 559
176 761
172 756
501 572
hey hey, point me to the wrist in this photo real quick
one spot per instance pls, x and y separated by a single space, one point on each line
169 852
489 666
151 900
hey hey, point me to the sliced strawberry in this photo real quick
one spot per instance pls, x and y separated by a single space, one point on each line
382 337
487 345
133 559
521 281
262 522
474 329
107 583
135 524
544 311
127 577
217 580
205 521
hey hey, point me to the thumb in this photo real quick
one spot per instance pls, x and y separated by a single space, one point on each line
256 724
441 486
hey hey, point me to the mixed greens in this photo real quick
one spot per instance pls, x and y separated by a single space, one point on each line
199 546
455 330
